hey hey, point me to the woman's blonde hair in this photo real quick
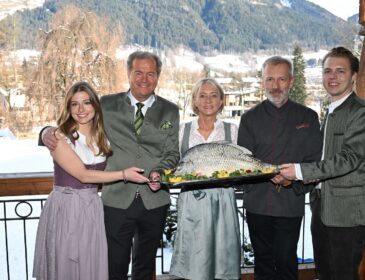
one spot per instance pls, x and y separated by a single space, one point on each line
196 89
68 126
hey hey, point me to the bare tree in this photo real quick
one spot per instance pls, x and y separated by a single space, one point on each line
180 81
10 80
78 46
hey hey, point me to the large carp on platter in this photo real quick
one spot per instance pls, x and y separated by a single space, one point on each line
218 157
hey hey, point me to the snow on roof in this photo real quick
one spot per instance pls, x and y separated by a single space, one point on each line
25 54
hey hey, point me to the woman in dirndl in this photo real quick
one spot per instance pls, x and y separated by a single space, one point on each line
207 243
71 241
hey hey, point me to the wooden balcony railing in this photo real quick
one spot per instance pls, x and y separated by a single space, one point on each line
25 184
30 184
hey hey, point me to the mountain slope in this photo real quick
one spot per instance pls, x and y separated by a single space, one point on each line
204 25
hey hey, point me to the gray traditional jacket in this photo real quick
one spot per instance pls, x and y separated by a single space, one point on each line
156 147
342 171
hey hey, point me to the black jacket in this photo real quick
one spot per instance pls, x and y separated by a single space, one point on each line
289 134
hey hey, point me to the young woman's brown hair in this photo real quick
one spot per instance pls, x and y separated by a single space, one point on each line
68 126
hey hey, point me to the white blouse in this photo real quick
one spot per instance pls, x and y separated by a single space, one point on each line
216 135
84 152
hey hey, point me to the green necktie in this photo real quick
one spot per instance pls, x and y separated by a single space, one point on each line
138 121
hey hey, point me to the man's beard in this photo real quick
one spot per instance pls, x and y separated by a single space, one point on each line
280 96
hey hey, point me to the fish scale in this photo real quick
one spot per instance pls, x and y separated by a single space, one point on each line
204 159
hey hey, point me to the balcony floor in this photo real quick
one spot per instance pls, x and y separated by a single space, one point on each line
306 272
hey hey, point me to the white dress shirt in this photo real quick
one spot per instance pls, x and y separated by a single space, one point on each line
147 103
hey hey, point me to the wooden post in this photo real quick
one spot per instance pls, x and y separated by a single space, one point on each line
362 267
360 83
362 12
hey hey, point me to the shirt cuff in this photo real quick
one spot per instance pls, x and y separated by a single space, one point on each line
298 172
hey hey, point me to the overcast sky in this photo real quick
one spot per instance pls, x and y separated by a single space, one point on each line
341 8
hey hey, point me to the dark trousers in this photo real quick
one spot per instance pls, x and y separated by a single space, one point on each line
138 226
337 250
274 241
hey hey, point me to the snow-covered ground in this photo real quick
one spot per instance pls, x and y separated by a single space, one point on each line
24 156
9 7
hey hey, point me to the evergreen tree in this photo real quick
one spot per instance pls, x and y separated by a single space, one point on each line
298 92
325 101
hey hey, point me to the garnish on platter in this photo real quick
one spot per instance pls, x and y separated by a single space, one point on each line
169 177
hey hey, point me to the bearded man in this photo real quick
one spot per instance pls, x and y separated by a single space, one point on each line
278 130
